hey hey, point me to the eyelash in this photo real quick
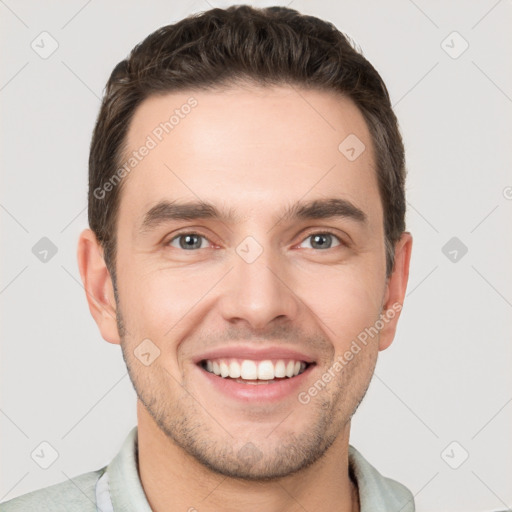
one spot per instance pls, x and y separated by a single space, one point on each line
309 235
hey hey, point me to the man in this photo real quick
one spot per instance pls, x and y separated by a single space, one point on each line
248 253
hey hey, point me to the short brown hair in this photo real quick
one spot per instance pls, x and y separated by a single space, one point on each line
221 47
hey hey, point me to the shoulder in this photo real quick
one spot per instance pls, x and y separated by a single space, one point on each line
73 495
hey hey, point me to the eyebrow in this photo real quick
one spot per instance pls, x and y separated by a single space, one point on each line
167 211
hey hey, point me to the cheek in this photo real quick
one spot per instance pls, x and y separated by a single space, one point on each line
347 304
161 300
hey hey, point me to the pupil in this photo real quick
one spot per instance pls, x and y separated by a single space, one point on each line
190 242
317 238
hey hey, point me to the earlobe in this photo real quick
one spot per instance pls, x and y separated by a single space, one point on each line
98 285
395 290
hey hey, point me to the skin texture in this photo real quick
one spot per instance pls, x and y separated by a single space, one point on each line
255 151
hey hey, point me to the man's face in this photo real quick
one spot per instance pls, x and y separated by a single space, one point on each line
257 287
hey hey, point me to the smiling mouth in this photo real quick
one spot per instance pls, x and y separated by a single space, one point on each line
248 371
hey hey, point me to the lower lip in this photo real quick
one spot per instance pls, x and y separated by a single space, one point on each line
272 392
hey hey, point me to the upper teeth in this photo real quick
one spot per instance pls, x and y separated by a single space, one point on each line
249 369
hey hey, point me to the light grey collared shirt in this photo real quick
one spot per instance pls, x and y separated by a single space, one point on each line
117 488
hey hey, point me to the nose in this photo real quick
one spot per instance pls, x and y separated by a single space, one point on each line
259 290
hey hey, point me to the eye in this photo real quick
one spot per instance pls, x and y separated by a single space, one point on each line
323 240
187 241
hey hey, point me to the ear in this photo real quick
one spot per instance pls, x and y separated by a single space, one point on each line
395 290
98 285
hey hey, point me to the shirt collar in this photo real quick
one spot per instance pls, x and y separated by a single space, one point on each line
376 492
126 490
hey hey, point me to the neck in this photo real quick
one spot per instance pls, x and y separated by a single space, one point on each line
174 481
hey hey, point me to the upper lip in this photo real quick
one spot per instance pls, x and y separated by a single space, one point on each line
257 353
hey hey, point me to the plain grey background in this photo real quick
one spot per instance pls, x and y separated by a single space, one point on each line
443 390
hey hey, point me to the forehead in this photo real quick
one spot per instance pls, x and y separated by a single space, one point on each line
250 148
